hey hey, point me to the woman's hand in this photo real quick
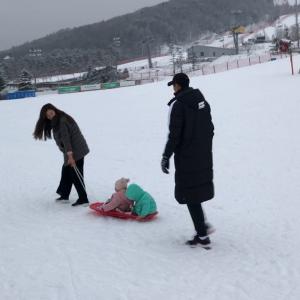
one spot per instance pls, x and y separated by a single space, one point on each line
71 160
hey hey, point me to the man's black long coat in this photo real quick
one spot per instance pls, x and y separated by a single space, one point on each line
190 139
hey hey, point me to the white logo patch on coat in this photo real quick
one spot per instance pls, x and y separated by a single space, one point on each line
201 105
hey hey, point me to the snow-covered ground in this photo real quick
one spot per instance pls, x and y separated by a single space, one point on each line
52 251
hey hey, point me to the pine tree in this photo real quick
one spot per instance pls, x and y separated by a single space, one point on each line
2 83
3 78
25 81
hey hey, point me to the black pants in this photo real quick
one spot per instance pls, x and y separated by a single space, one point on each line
68 178
198 218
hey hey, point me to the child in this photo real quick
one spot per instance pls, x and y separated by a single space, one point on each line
118 200
144 204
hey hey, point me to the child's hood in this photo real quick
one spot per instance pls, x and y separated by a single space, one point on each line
134 192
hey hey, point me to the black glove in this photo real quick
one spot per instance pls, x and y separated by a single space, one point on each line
165 164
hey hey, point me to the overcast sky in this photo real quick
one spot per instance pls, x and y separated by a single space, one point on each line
25 20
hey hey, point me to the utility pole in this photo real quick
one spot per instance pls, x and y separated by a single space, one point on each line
147 44
116 50
235 40
173 57
193 58
149 55
297 23
180 58
35 54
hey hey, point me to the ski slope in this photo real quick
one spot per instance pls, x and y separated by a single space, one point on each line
270 31
52 251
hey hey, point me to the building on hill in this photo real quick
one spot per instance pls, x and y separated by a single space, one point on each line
204 52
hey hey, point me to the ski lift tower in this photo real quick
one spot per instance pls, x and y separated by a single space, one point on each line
236 29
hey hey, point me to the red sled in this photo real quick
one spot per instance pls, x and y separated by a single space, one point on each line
120 215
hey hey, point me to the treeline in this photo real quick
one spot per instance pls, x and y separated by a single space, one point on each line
175 21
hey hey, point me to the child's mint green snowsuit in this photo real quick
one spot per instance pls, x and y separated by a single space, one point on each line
144 203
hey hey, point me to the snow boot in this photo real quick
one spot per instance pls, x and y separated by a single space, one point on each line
83 202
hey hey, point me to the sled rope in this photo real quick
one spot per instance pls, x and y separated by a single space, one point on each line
80 177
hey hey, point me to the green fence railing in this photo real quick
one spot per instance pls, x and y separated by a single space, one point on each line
110 85
68 89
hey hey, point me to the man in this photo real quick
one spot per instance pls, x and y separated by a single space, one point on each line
190 139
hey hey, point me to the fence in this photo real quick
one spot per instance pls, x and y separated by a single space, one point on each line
206 68
100 86
68 89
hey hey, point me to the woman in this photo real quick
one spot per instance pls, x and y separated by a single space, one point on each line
71 142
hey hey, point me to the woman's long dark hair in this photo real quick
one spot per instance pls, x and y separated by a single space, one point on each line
43 127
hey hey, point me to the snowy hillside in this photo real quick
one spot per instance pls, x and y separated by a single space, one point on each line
270 31
253 31
53 251
281 2
163 65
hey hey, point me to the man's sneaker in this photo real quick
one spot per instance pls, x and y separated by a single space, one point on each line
84 202
201 241
62 200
